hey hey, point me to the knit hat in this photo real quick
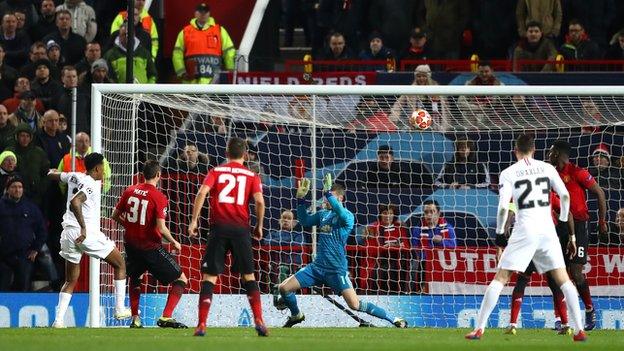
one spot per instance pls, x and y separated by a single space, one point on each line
12 180
23 127
424 69
375 35
6 154
602 149
99 64
51 44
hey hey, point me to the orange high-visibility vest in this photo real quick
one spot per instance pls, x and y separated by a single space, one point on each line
80 164
146 22
202 51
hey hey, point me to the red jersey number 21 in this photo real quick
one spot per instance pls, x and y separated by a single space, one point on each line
226 195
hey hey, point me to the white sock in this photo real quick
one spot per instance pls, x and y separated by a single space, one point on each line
572 302
489 301
120 293
63 304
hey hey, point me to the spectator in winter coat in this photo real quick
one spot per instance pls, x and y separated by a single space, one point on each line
8 164
578 46
46 23
72 45
534 47
14 42
26 111
378 52
464 171
597 16
546 12
32 164
83 18
418 48
437 106
23 233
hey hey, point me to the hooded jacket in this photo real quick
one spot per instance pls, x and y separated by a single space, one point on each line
32 164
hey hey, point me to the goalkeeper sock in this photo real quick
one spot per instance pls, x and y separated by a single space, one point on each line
175 292
489 301
120 293
205 299
135 294
516 298
375 311
253 294
291 302
63 304
572 301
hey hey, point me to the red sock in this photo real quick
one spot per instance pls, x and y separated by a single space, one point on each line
253 294
175 292
205 299
135 294
560 307
583 289
516 304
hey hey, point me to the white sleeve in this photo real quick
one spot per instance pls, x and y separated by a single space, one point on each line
504 197
564 196
65 177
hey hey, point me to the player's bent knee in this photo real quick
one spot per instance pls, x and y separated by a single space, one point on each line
183 278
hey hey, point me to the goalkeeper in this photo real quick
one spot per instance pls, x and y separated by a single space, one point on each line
334 224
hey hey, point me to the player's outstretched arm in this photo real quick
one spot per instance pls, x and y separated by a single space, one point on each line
54 174
164 231
75 205
336 206
303 216
260 209
197 208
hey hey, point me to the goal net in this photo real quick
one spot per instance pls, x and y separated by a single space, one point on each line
424 199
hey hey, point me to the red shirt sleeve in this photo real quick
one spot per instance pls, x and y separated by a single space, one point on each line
161 206
583 177
555 203
210 179
256 186
123 200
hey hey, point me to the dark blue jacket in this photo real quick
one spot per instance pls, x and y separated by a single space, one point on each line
21 227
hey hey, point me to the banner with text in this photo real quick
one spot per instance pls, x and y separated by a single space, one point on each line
469 271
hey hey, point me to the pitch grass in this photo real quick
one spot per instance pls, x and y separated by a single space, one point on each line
297 339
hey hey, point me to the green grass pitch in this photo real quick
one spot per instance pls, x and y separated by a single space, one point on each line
296 339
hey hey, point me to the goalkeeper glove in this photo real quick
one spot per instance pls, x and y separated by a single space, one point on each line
501 240
327 182
303 188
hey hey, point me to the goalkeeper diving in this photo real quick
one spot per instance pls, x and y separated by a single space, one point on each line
329 267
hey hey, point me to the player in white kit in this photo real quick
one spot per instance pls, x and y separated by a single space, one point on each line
534 238
81 234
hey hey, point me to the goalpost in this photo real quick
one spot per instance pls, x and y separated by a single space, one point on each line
302 130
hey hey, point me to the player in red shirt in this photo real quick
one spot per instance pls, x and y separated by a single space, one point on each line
231 187
577 180
142 210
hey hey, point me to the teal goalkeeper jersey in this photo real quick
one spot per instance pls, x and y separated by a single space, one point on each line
333 229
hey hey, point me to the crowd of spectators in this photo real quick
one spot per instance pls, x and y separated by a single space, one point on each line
456 29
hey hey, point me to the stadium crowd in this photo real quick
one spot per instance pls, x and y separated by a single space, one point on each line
48 47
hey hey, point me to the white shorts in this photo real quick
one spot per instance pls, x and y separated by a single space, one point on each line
95 245
543 249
